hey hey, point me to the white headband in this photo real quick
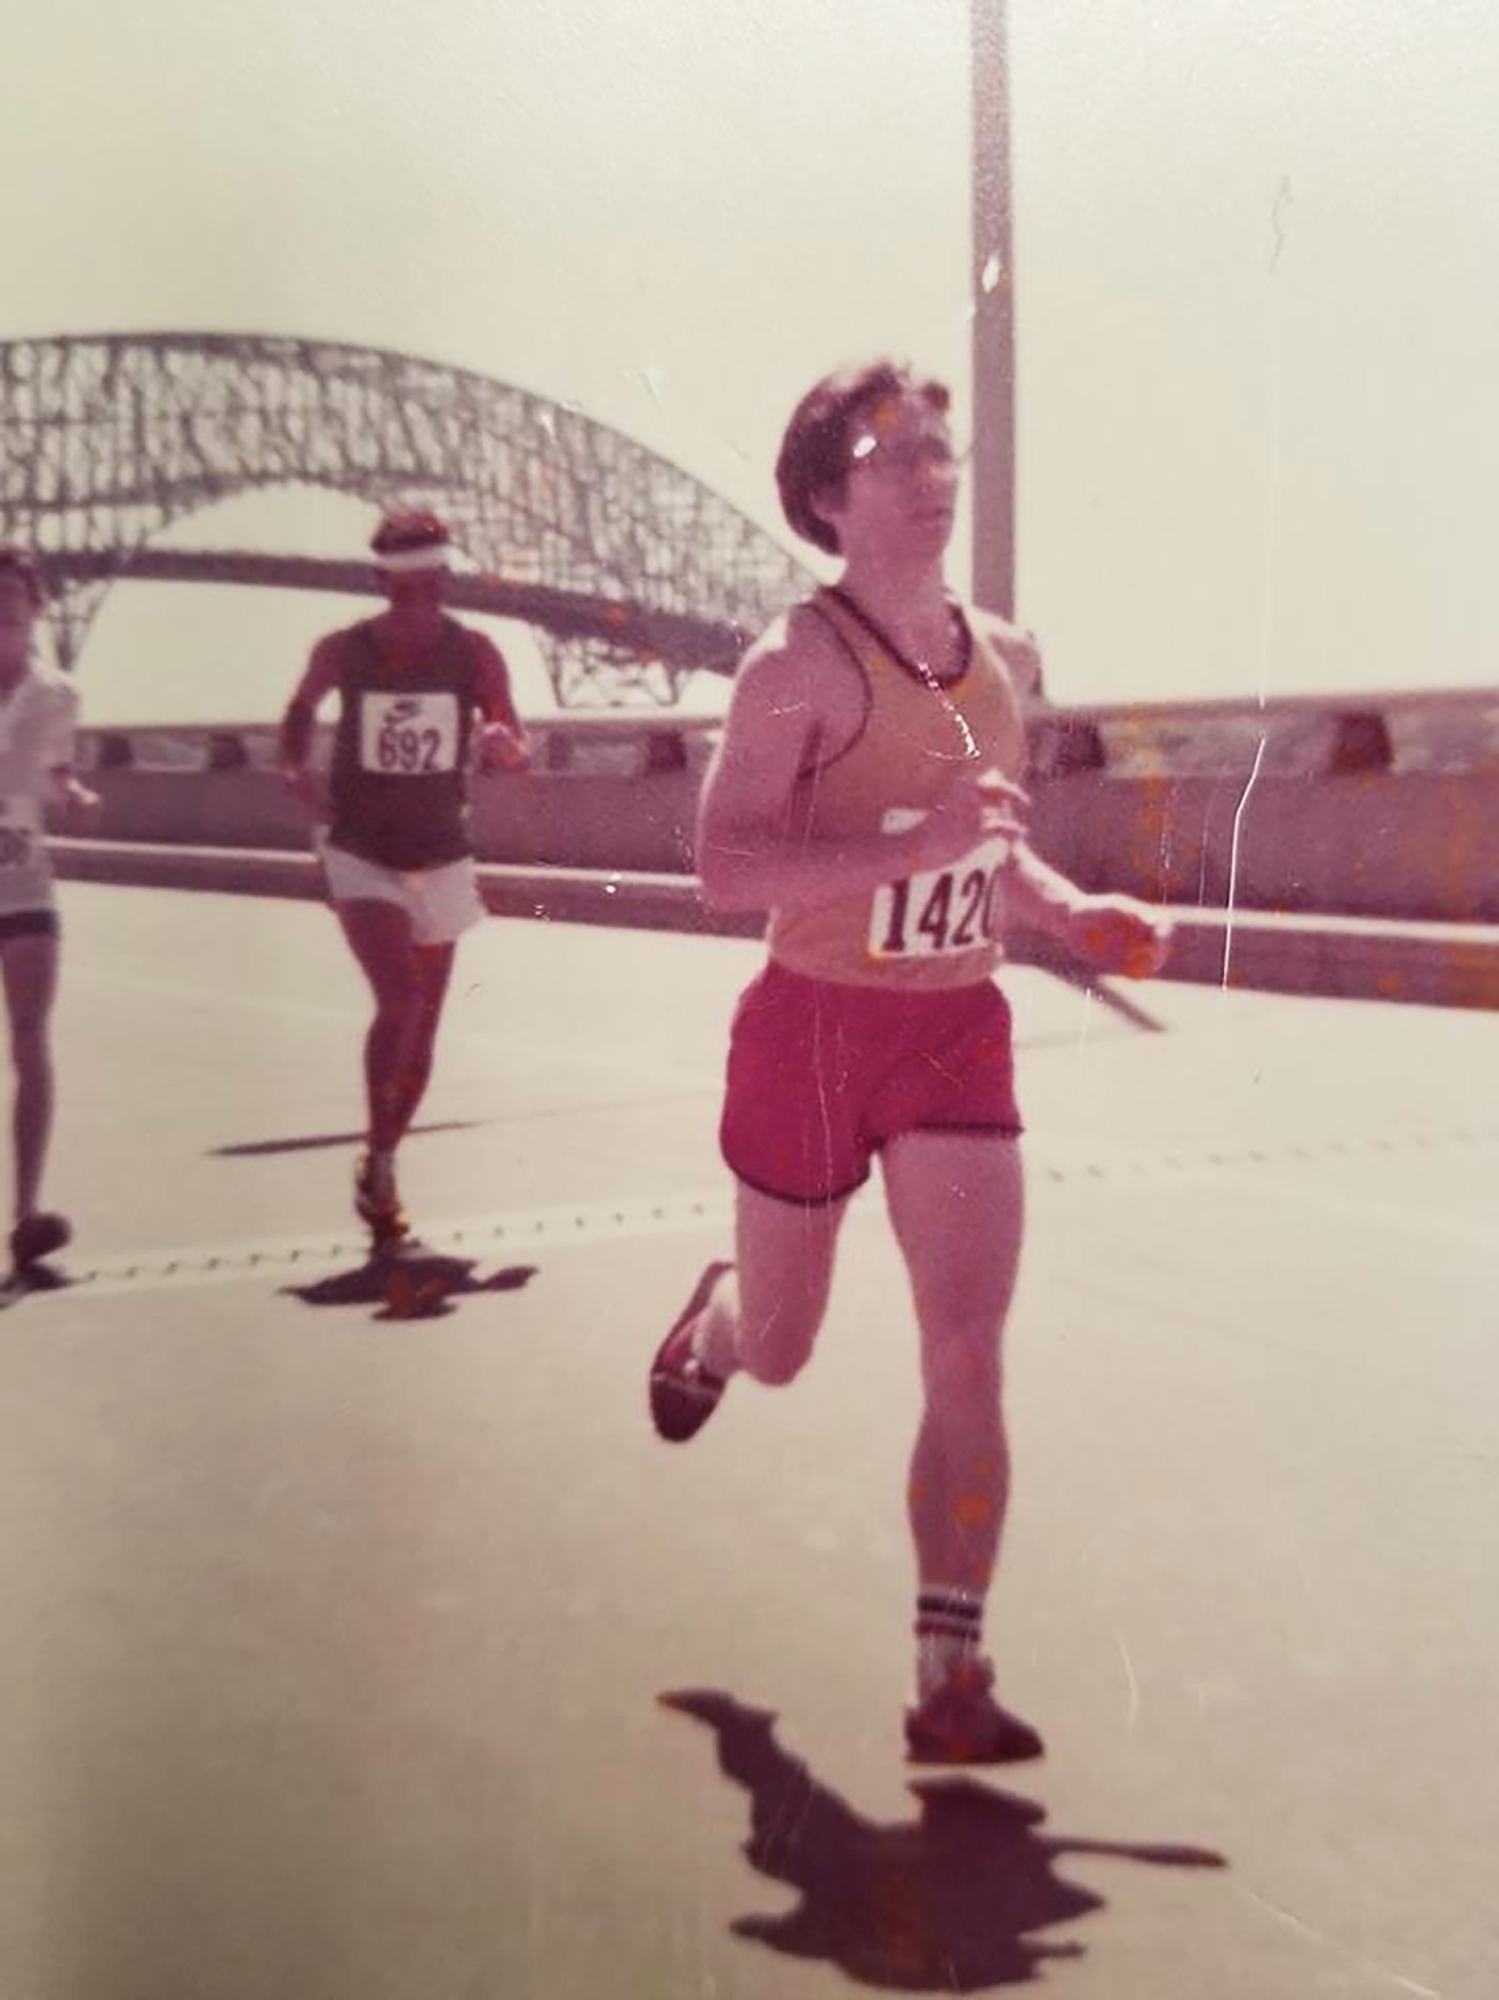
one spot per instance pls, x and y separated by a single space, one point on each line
433 556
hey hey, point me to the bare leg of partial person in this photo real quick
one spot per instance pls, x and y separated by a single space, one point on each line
763 1316
956 1201
29 969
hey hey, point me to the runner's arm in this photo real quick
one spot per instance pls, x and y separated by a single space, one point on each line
503 743
57 750
751 855
69 790
1039 897
294 741
1111 933
317 682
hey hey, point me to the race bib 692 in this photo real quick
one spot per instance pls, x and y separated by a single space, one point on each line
408 735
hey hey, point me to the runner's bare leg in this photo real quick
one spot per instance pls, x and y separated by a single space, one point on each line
764 1315
28 966
956 1202
434 969
379 936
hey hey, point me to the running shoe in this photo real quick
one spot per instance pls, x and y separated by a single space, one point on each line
376 1201
38 1236
960 1722
684 1394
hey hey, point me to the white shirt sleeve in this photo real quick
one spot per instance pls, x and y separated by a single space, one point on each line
57 719
37 736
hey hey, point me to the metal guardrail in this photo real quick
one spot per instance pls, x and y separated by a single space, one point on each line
1448 730
1453 730
609 742
1445 965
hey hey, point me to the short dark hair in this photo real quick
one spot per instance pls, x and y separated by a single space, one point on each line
20 562
814 454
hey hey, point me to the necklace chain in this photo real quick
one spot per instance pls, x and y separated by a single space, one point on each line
916 667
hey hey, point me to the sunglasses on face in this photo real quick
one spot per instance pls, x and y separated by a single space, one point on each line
925 454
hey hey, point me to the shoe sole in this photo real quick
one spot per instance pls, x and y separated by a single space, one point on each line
680 1409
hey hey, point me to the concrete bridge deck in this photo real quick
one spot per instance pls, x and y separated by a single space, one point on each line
334 1643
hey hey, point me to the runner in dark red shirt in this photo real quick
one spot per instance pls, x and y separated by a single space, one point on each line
392 817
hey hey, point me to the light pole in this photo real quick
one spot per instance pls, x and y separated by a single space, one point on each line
993 312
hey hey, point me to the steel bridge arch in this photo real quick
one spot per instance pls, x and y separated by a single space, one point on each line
107 439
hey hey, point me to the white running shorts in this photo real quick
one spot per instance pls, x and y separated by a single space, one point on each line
442 902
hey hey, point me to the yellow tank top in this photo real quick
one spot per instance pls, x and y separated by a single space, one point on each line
940 927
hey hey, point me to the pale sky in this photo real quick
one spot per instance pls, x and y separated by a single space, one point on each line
1257 291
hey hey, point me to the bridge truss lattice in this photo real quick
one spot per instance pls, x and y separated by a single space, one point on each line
106 440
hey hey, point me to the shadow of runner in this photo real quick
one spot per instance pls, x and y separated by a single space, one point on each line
947 1902
256 1149
418 1289
18 1285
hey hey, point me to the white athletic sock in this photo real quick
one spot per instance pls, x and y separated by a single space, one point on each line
716 1355
949 1628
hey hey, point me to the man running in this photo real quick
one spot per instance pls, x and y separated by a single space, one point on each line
37 713
393 818
864 792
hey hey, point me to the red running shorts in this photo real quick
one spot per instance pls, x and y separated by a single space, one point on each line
822 1075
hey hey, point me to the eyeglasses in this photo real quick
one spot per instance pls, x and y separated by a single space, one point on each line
934 454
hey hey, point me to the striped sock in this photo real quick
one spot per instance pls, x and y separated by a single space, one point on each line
949 1626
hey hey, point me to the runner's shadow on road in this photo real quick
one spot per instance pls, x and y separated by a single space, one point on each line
947 1902
400 1290
18 1285
315 1142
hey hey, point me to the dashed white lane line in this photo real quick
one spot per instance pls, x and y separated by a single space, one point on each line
512 1233
507 1236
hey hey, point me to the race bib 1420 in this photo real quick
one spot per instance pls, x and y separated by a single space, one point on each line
939 912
